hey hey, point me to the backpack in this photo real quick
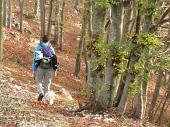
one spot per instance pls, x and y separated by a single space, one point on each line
54 62
45 62
49 59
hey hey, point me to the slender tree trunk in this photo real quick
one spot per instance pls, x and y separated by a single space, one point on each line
49 18
21 15
163 109
143 91
61 25
130 77
4 12
77 5
37 7
165 103
127 25
155 96
1 32
9 13
57 24
42 17
82 40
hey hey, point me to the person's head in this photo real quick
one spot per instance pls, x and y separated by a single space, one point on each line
45 39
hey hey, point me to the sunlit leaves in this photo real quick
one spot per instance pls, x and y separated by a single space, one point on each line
148 40
149 8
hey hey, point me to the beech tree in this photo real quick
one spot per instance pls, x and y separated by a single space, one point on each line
1 32
42 17
61 24
21 14
9 13
4 12
36 7
50 17
84 36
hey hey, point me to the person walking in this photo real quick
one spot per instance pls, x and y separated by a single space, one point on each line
44 64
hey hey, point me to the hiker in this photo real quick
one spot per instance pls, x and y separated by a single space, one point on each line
44 65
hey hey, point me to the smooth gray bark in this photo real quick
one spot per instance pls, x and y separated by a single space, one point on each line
77 5
155 96
112 79
82 40
49 18
95 78
130 76
37 7
21 14
61 25
1 33
4 12
9 13
42 17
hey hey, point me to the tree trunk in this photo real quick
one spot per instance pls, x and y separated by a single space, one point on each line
9 13
77 5
95 78
164 108
143 91
155 96
57 20
116 31
42 17
4 12
165 103
128 12
61 25
37 8
49 18
82 40
21 15
1 32
130 76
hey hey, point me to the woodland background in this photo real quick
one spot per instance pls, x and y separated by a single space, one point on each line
113 62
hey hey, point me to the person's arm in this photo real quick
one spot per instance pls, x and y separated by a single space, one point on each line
53 51
37 48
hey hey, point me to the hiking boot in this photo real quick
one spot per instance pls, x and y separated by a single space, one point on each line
40 97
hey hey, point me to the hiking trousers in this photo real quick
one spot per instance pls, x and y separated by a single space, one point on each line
43 80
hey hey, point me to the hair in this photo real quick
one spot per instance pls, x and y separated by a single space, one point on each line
45 39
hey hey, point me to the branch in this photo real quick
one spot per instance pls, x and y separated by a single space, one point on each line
165 14
161 22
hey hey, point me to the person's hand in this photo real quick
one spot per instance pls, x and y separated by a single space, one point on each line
55 73
34 74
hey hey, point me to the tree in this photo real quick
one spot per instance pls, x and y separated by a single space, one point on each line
21 14
86 17
42 17
1 33
4 12
132 60
57 22
95 77
9 13
112 75
49 18
36 7
61 25
77 5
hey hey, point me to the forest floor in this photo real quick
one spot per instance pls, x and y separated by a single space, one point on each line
18 96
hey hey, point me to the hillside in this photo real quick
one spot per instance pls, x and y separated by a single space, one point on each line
18 96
